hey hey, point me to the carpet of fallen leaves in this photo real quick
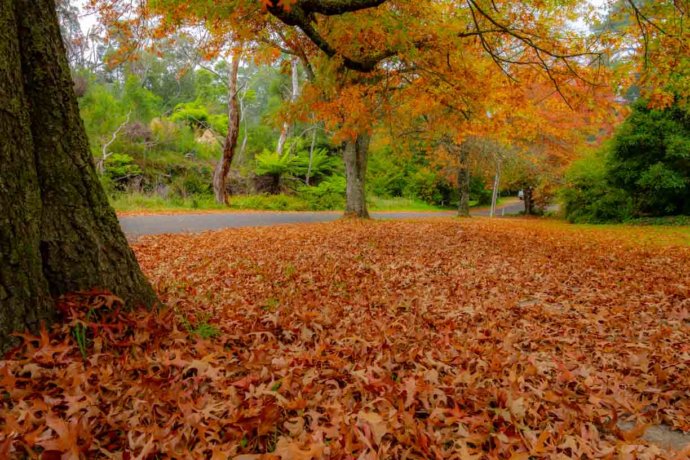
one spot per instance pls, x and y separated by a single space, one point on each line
439 339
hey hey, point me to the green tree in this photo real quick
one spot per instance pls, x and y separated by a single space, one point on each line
650 159
589 196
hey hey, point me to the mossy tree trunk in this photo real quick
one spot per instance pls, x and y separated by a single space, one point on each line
355 156
58 233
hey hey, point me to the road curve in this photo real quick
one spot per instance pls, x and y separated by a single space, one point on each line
154 224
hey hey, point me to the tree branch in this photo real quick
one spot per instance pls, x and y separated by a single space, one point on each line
301 15
336 7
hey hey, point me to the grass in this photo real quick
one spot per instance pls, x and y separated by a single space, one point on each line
141 202
674 221
401 204
135 202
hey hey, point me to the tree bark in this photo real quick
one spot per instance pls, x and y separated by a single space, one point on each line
58 234
223 167
463 182
529 201
355 156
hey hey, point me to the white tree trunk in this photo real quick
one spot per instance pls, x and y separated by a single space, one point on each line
497 181
284 133
311 153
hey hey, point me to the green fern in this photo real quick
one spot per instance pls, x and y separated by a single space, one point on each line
322 164
271 164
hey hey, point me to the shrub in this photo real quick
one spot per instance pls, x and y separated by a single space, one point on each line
429 186
588 197
119 168
478 191
329 194
197 116
191 184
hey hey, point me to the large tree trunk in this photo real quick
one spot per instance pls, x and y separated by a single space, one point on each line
223 167
355 156
463 182
57 231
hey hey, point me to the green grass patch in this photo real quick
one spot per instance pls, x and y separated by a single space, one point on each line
132 202
270 203
671 221
142 202
401 204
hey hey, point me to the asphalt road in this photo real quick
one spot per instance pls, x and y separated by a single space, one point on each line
154 224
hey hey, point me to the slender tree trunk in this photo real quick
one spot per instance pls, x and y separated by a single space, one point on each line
223 167
311 153
285 132
243 121
355 156
497 182
463 182
58 233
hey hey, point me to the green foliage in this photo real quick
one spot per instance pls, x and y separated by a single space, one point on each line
191 184
392 175
196 115
120 166
102 113
650 160
210 90
79 334
142 102
588 196
329 194
272 164
386 177
428 186
479 193
322 164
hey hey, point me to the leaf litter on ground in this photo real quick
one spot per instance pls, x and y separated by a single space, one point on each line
439 338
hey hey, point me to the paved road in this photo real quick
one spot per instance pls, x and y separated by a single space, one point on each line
510 208
154 224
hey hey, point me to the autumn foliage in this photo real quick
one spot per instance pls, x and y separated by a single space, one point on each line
431 339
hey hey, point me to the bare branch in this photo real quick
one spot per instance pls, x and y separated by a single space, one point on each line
106 146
